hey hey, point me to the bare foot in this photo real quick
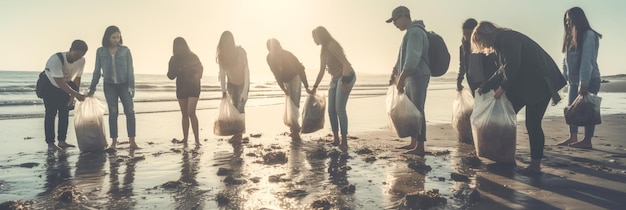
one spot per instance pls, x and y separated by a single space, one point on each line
336 142
343 147
411 146
64 145
176 141
133 145
567 142
52 147
582 144
415 152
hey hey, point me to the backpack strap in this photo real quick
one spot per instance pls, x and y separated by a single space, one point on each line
60 55
422 58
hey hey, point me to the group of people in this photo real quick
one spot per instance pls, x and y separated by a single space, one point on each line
508 62
491 57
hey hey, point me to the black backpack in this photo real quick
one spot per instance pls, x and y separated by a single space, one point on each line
439 57
40 86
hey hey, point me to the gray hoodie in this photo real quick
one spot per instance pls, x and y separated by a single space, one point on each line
413 55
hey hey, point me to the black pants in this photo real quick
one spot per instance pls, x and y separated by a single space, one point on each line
534 116
55 101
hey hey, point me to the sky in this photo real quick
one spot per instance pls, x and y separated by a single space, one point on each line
32 30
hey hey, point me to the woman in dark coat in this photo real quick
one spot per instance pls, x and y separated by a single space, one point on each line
527 74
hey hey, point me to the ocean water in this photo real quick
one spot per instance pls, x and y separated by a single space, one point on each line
157 93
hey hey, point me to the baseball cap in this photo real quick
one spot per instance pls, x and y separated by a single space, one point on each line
397 12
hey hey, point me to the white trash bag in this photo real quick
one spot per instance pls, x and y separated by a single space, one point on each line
462 108
494 128
403 117
292 113
229 121
313 113
89 125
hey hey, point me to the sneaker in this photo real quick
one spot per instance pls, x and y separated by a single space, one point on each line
63 144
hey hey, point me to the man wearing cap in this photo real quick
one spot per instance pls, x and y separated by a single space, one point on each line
411 71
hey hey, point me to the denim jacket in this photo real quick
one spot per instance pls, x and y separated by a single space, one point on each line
580 65
123 72
414 50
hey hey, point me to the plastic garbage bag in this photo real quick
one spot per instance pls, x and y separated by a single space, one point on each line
292 113
229 121
494 128
585 110
313 113
462 108
403 117
89 125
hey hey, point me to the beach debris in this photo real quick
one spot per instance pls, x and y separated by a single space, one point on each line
472 162
67 194
275 158
370 159
28 138
467 194
441 179
256 135
15 204
277 178
420 167
424 200
251 154
231 180
458 177
275 146
364 151
255 179
296 193
171 185
349 189
29 165
245 140
322 203
223 198
353 137
224 171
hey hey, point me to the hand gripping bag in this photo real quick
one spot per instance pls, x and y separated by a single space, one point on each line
89 125
403 117
494 128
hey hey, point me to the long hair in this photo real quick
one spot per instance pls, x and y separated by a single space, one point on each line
322 37
180 47
106 39
273 45
575 28
484 37
226 49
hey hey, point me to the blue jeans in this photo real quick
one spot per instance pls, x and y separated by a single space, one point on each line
112 92
337 101
594 87
415 87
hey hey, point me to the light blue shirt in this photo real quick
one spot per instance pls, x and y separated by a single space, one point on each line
580 65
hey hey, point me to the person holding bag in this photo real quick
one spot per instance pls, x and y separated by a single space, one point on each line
580 67
59 86
527 74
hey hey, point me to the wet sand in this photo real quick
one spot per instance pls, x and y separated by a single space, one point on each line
270 171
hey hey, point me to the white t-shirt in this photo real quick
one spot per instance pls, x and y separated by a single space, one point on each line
68 71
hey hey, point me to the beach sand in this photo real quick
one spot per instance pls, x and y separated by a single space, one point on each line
270 171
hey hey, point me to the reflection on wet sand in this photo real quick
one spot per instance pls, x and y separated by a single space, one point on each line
121 197
57 171
403 181
187 195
